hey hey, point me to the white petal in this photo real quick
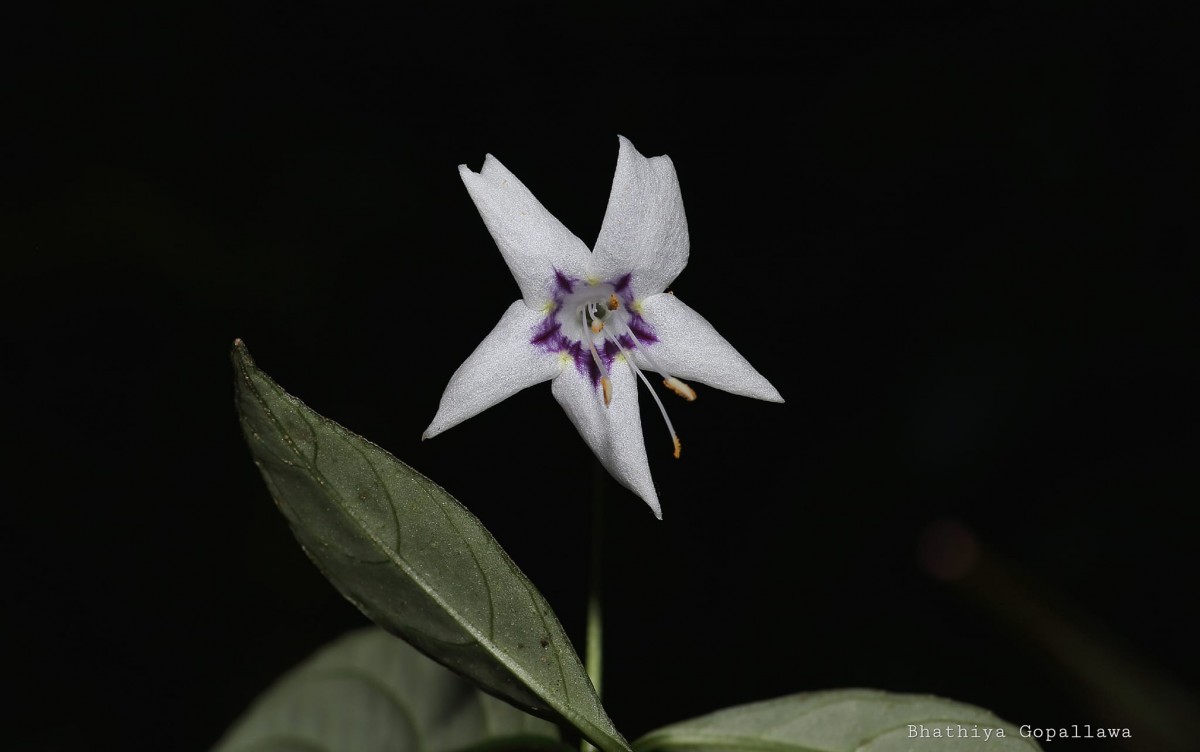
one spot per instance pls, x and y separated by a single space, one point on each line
644 230
533 242
690 348
615 432
502 365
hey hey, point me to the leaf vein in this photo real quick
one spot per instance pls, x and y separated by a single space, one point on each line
391 502
491 634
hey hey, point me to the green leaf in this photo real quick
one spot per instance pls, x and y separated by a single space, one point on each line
413 559
842 720
369 691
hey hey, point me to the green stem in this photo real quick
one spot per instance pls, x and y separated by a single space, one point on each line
594 650
595 622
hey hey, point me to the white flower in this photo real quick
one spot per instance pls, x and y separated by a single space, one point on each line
592 322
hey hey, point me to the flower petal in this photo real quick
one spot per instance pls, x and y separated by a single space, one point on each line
690 348
615 432
502 365
644 230
533 242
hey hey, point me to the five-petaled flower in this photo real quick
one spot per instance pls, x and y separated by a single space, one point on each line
592 322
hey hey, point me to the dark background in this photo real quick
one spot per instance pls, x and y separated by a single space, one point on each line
946 235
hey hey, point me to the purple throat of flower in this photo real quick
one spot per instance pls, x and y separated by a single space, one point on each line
594 324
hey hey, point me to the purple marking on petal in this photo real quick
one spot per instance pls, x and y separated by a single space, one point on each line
545 331
641 329
586 364
548 336
593 371
563 282
622 282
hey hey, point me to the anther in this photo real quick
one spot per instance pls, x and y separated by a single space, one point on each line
678 446
669 381
680 388
606 387
613 302
597 326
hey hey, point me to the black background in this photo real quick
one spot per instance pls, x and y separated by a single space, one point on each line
947 235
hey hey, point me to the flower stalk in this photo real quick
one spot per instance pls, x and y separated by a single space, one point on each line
594 649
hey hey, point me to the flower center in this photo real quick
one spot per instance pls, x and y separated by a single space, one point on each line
600 318
588 307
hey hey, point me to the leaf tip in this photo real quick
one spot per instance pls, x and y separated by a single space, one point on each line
240 353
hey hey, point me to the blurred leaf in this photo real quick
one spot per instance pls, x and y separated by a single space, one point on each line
842 720
413 559
370 691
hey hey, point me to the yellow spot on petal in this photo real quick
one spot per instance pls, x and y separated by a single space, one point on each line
637 306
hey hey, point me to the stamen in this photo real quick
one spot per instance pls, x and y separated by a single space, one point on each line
605 385
681 388
675 385
597 326
657 401
613 302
